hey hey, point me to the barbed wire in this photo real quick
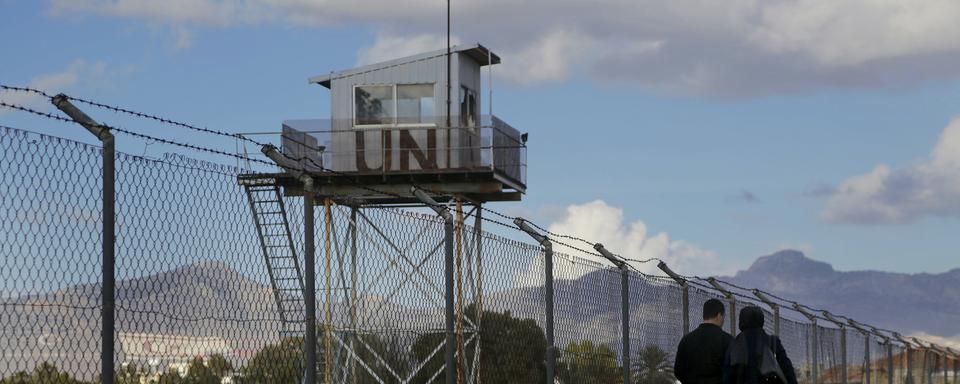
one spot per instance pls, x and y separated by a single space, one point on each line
193 127
696 280
24 89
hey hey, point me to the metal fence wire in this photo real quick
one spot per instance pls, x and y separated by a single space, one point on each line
210 290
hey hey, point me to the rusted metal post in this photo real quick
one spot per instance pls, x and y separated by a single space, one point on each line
109 237
551 359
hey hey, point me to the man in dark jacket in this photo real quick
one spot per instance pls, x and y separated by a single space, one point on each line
744 360
700 353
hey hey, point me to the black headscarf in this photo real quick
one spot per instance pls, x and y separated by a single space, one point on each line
751 318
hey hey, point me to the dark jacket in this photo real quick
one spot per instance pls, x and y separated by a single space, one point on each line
741 364
700 355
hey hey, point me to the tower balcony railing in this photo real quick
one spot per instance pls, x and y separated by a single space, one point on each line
323 146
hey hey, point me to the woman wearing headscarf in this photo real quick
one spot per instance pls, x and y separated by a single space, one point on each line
744 362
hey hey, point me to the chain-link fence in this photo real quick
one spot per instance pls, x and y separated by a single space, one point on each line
210 289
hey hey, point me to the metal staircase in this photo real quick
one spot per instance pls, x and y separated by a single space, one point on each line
276 240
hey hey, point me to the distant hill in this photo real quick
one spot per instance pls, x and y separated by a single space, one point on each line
214 300
907 302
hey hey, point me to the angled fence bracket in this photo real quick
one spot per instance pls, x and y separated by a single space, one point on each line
733 303
624 305
450 367
551 358
867 360
773 306
843 344
685 287
814 352
109 236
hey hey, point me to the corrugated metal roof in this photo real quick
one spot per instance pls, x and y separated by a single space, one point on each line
475 51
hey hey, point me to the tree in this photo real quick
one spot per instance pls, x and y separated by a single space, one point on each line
171 376
219 365
586 362
45 373
199 373
130 374
652 366
512 350
279 363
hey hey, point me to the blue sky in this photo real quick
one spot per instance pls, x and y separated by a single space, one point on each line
726 135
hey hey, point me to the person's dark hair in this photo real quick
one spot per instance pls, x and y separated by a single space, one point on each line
712 308
751 318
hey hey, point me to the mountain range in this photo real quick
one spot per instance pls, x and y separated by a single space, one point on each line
212 306
908 303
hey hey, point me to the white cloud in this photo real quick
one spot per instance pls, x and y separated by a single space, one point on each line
182 38
685 46
555 54
387 47
599 222
849 33
949 342
896 195
78 70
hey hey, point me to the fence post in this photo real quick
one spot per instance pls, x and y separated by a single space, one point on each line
889 344
868 360
815 347
733 303
890 366
909 355
843 344
551 358
889 349
444 212
773 306
925 369
309 262
956 364
624 306
108 218
686 294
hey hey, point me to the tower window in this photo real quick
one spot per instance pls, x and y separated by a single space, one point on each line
403 104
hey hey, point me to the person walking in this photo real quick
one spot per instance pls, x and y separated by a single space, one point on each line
700 354
754 356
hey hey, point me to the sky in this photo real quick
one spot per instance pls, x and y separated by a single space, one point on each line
703 133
